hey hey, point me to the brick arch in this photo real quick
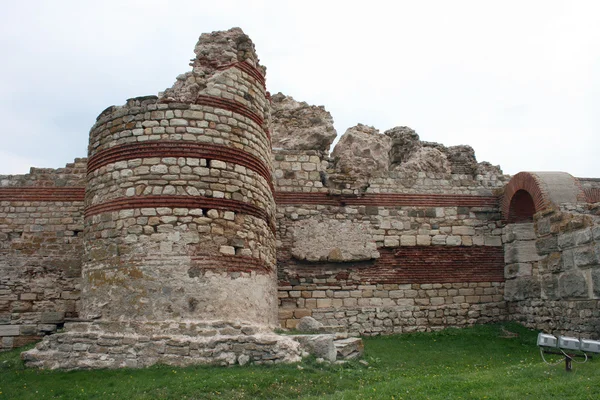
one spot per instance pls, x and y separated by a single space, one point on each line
524 182
547 190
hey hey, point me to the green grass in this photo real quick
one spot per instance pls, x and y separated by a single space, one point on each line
474 363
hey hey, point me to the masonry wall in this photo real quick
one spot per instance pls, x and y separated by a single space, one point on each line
411 252
553 271
179 207
41 225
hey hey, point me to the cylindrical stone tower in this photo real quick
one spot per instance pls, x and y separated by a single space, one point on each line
179 218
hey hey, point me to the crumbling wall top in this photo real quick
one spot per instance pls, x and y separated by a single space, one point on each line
298 126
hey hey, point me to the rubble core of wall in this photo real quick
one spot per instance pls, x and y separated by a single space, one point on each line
366 161
299 126
214 51
553 270
41 224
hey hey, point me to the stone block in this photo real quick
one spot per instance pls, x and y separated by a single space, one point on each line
584 257
572 284
549 288
227 250
301 313
491 241
390 241
52 317
522 231
423 240
453 240
438 240
463 230
9 330
520 252
517 270
321 346
324 303
406 240
521 289
28 330
546 245
349 349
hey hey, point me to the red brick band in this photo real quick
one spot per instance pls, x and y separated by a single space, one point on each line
231 264
592 195
247 68
126 203
386 200
179 148
438 264
410 264
232 106
42 194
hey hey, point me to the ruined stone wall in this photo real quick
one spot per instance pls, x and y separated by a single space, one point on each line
387 234
41 226
553 271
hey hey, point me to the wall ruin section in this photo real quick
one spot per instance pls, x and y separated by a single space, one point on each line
41 246
208 215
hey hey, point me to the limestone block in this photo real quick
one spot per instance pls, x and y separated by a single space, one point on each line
517 270
585 256
299 126
572 284
308 325
438 239
492 241
9 330
321 346
547 245
332 240
52 317
521 252
521 231
408 240
576 238
549 286
521 289
453 241
349 349
423 240
390 241
463 230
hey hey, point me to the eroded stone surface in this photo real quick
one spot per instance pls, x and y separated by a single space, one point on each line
333 241
362 153
298 126
213 50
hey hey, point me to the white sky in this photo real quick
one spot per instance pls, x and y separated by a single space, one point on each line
519 81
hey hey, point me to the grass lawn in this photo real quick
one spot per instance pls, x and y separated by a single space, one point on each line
473 363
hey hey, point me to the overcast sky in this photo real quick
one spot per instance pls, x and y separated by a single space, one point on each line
519 81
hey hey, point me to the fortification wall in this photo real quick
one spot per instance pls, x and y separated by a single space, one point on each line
41 226
388 234
174 207
553 271
210 213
